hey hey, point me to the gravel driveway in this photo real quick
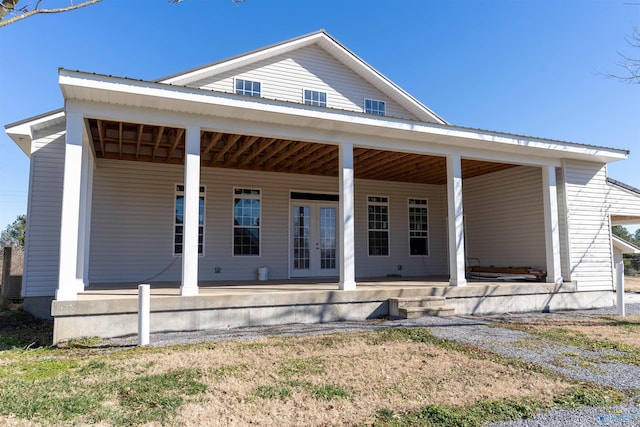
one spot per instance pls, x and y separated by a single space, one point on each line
476 330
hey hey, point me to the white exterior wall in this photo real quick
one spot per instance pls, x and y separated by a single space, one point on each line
132 223
504 218
589 225
285 76
42 249
399 193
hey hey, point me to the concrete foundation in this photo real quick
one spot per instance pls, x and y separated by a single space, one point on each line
117 316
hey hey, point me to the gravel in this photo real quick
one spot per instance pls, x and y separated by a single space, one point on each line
477 330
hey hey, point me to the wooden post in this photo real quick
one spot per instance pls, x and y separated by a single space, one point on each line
6 278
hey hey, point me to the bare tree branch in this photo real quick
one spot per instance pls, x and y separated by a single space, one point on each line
7 6
630 64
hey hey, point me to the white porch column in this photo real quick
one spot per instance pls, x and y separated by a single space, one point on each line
346 237
84 238
190 260
456 222
551 231
72 229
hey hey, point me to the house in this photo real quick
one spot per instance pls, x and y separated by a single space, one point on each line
302 159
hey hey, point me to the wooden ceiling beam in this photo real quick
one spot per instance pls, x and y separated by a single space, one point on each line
325 150
324 163
101 137
278 147
248 142
380 160
257 151
291 148
160 131
176 141
231 140
304 152
212 142
139 139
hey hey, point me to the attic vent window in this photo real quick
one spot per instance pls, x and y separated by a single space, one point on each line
312 97
247 87
372 106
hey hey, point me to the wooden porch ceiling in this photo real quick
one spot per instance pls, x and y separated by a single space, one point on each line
130 141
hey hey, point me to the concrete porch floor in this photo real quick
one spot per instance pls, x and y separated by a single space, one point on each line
244 287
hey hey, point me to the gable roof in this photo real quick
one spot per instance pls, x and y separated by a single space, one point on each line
332 47
623 185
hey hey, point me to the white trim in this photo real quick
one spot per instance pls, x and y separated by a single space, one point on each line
190 257
388 230
409 205
233 216
623 246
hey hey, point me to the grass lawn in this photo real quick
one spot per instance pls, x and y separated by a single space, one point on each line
393 377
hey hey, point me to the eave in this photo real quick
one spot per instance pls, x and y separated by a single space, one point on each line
94 88
23 131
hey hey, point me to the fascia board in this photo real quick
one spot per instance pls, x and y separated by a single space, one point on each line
197 101
22 132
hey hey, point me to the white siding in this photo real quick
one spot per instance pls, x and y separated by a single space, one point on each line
285 76
132 223
589 225
504 218
399 194
42 253
623 202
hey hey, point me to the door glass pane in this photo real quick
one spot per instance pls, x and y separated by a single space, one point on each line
327 238
301 251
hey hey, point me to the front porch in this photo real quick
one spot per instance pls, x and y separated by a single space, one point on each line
110 311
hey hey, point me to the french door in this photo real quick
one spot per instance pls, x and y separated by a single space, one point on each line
314 239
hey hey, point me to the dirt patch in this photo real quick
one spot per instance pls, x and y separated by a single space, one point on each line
632 283
279 381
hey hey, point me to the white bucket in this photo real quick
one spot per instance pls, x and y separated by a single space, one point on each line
263 273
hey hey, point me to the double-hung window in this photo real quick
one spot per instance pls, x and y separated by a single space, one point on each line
247 87
178 229
378 225
373 106
312 97
418 227
246 221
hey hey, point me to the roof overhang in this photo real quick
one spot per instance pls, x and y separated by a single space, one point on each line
23 132
624 246
95 88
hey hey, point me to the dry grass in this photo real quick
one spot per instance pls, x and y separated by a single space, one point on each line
402 375
632 283
624 330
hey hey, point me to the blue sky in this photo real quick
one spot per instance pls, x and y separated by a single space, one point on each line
532 68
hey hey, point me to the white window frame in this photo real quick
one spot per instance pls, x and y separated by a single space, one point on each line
311 101
388 229
233 217
377 111
235 90
409 231
203 194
